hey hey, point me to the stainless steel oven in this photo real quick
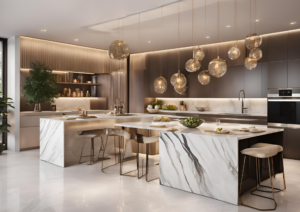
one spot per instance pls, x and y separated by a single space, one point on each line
284 112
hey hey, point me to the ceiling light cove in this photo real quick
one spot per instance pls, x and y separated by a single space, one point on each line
292 23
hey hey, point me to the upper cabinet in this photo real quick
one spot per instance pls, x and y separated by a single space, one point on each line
278 74
66 57
294 74
277 47
293 45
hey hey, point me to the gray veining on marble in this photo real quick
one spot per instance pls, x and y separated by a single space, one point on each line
200 164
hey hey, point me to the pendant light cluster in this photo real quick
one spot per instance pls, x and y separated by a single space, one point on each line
252 42
178 80
160 83
218 67
234 52
118 49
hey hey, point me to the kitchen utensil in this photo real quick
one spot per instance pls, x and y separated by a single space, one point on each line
90 82
53 107
94 87
80 78
74 80
201 109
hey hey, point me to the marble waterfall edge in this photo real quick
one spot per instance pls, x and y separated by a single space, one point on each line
200 164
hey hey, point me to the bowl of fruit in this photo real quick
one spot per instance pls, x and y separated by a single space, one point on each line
168 107
191 122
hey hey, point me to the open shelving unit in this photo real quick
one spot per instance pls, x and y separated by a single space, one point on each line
72 83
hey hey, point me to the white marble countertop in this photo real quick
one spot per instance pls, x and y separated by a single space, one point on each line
211 113
205 126
54 113
107 117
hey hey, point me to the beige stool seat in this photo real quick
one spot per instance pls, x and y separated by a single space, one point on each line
263 152
259 145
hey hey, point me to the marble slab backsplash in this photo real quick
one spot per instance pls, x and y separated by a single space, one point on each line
255 106
70 104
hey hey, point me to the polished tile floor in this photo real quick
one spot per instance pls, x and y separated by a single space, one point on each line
28 184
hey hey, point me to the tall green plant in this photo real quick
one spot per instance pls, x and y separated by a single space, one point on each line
41 86
4 104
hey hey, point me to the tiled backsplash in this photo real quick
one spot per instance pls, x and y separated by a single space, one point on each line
255 106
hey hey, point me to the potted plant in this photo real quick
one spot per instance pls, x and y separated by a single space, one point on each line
159 102
41 86
4 104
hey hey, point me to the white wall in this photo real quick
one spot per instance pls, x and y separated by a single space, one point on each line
13 91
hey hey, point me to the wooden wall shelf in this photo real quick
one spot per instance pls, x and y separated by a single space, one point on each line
71 83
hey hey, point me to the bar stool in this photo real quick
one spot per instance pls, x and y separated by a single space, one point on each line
141 139
91 134
263 152
280 150
122 136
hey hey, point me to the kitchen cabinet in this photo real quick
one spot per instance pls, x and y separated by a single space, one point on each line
230 84
293 45
294 74
278 75
277 47
292 149
264 80
253 85
264 48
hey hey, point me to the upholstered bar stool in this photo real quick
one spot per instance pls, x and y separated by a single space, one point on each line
141 139
124 136
280 150
91 134
262 152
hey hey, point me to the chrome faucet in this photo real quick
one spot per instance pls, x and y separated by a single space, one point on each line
243 108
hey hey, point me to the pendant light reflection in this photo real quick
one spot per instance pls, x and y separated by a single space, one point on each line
192 65
253 40
256 53
160 85
217 67
204 77
180 89
178 79
234 53
250 63
199 53
118 50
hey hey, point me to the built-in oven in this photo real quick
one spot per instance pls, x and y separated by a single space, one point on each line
284 112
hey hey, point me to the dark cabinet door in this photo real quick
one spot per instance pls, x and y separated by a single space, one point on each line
230 84
293 45
294 74
277 47
293 146
253 85
277 75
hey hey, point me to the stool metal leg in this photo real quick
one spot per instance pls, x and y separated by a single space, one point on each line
101 148
275 204
81 150
91 162
147 164
138 162
102 168
122 159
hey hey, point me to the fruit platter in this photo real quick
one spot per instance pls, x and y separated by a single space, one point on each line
191 122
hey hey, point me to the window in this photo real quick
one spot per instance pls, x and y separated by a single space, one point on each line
3 71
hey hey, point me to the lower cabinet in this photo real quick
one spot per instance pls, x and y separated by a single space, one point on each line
292 149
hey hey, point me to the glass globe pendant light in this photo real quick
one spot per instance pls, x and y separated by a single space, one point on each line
118 49
160 85
178 79
256 53
199 53
253 41
204 77
217 67
192 65
180 89
250 63
234 53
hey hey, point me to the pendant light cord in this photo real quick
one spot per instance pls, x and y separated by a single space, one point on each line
178 38
255 14
235 21
139 32
218 25
205 20
161 40
250 14
193 23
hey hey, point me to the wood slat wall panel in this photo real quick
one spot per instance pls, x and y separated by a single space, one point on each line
66 57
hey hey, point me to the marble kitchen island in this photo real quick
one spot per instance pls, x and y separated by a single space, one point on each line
60 145
208 164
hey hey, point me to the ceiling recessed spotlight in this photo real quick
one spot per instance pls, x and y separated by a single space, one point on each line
207 37
257 20
228 26
292 23
43 30
76 39
149 41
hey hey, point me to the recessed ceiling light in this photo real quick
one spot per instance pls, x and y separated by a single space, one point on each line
207 37
76 39
228 26
257 20
149 41
292 23
43 30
